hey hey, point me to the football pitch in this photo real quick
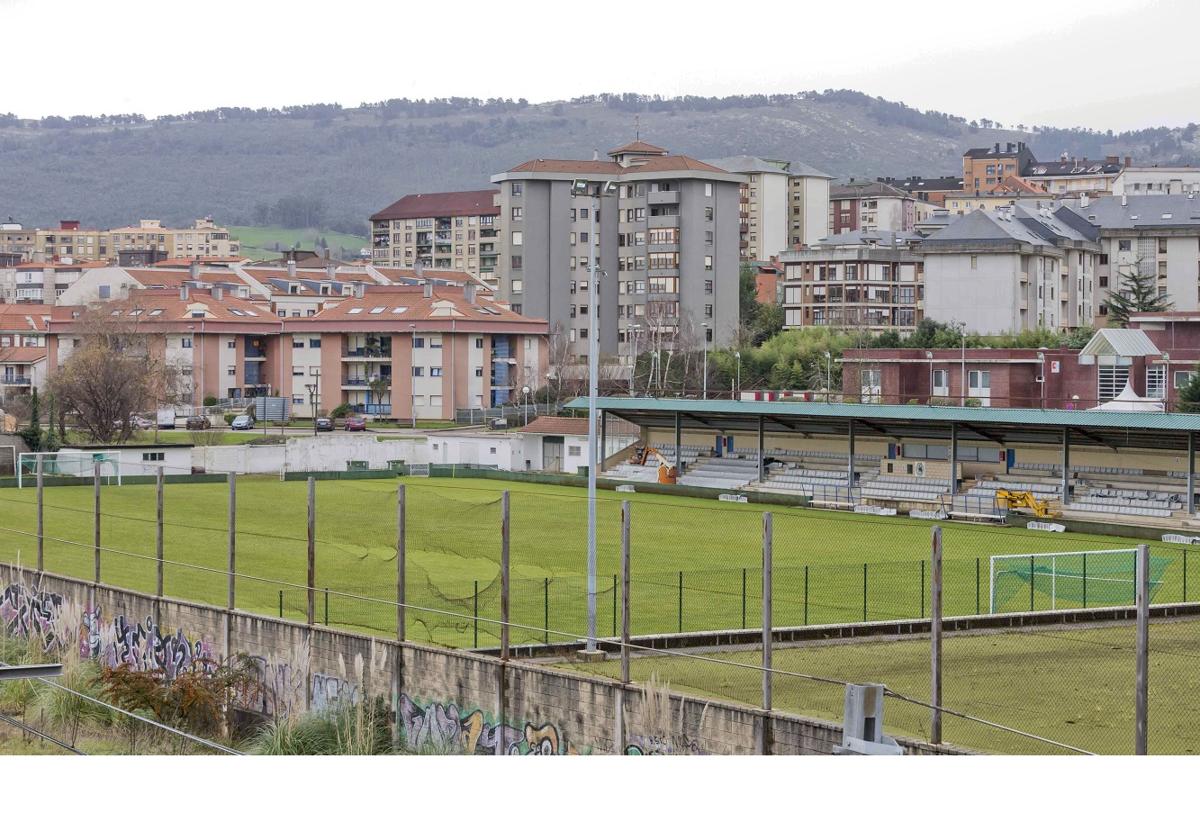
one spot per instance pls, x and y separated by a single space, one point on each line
1071 685
696 563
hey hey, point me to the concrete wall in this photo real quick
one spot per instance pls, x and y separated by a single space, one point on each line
443 700
328 451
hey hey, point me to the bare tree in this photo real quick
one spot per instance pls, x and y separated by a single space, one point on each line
109 376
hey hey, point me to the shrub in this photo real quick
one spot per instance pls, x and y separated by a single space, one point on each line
229 415
340 412
973 402
210 400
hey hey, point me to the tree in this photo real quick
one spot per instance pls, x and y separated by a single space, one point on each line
1138 292
109 377
32 434
1189 394
748 304
379 386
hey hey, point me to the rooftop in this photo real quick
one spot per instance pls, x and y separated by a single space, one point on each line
425 205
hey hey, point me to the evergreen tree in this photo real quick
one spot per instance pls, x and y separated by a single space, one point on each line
1189 394
1138 292
33 432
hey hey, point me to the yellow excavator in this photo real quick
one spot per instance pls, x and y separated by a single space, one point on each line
1014 499
667 472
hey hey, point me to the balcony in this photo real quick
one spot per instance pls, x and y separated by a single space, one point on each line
15 380
662 197
374 409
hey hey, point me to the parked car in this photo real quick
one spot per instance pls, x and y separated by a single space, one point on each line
198 422
242 422
323 424
356 423
137 421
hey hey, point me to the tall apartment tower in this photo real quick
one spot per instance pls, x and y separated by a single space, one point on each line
667 244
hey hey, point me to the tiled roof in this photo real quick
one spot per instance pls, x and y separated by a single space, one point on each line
639 146
582 167
1062 168
22 355
577 426
399 305
408 275
24 317
173 278
150 307
672 163
423 205
866 189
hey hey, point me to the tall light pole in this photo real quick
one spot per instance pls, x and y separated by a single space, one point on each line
312 403
1041 357
704 388
412 380
929 356
525 391
828 376
581 187
737 354
633 360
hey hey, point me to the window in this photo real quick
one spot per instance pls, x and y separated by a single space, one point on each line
231 371
478 373
435 371
708 214
1156 381
974 262
154 456
517 188
314 343
708 262
941 383
297 371
574 451
418 341
516 262
980 380
517 237
708 187
418 371
1181 378
1111 381
297 343
479 344
870 386
1124 244
517 214
185 342
231 344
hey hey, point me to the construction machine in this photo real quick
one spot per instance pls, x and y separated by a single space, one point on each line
667 471
1015 499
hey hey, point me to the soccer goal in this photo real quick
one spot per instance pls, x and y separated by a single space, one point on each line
1067 579
70 463
418 470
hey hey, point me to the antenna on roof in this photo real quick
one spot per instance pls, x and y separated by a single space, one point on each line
637 126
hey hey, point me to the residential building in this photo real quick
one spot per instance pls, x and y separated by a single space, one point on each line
768 282
874 205
870 280
667 243
1158 235
70 242
1010 189
985 167
1149 180
1070 176
1012 269
453 230
930 190
22 347
808 205
1099 374
40 282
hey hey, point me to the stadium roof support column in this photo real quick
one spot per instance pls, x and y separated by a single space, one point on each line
953 460
760 447
1066 467
850 461
1191 478
678 443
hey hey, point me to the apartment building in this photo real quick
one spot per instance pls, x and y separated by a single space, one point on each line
872 206
930 190
985 167
1151 180
453 230
22 346
808 205
860 280
1010 189
40 282
667 244
1157 235
1076 176
70 242
1011 269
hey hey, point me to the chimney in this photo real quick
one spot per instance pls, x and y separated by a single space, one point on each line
183 291
194 270
291 268
996 149
1084 201
1128 160
1124 200
469 293
331 272
218 292
1112 159
360 289
326 254
427 290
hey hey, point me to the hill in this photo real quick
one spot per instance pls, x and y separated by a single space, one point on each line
326 166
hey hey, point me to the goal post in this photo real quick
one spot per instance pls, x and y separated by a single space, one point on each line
69 463
1066 579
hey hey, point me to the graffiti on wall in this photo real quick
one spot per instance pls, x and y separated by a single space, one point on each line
658 745
447 728
30 613
330 692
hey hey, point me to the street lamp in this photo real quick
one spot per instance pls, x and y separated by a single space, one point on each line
1041 357
737 354
312 402
525 391
633 328
581 187
929 356
704 389
828 375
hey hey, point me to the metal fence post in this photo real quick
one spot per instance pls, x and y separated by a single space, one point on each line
41 521
502 675
976 586
806 595
312 551
476 614
767 558
281 603
232 573
922 587
743 597
681 600
1031 583
96 519
401 562
546 608
1185 574
614 623
625 528
158 530
1085 580
864 591
326 606
935 635
1141 700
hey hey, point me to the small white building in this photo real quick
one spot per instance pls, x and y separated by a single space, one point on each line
546 444
126 460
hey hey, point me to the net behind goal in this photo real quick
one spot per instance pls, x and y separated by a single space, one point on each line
1067 580
71 463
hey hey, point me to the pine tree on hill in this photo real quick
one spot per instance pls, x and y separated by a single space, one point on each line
1138 292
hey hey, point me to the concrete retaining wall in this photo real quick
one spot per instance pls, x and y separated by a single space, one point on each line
443 700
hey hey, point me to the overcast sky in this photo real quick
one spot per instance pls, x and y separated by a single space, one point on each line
1104 63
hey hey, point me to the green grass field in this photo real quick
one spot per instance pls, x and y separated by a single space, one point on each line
696 563
1074 686
258 243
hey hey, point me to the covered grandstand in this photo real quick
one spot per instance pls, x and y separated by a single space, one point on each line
937 461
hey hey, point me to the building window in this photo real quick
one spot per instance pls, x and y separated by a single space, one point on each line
1182 377
1111 381
1124 244
517 237
435 371
479 344
231 371
418 371
1156 381
297 343
708 214
478 373
517 214
708 262
314 343
516 188
154 456
516 262
870 386
941 383
185 342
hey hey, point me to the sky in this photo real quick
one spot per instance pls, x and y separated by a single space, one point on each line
1105 64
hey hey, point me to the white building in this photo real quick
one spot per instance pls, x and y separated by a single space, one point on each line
1157 180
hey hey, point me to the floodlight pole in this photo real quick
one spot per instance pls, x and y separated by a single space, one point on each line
593 392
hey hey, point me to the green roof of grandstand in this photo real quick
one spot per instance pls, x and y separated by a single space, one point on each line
1155 430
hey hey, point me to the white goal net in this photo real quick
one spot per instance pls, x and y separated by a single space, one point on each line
73 463
1067 579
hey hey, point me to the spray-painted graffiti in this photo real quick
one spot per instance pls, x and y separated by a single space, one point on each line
330 692
657 745
444 727
27 612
